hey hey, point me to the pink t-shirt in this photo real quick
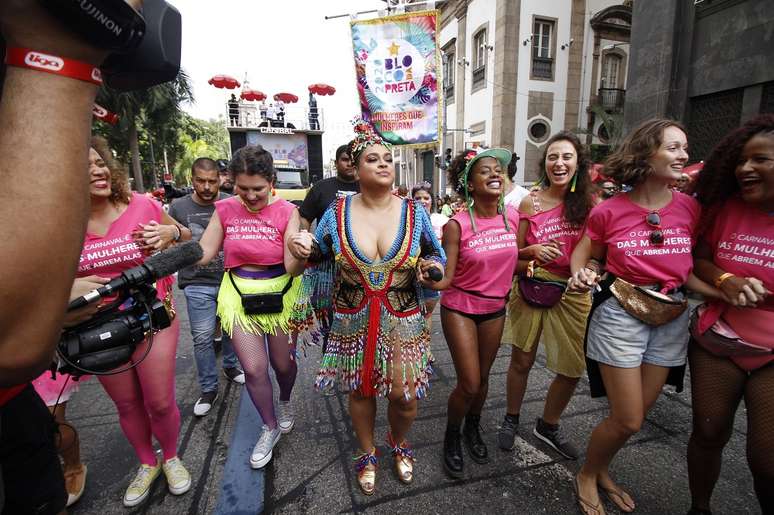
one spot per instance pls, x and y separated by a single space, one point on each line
253 238
619 224
547 225
742 243
485 265
116 251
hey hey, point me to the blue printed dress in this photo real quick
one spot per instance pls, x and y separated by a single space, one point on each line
370 311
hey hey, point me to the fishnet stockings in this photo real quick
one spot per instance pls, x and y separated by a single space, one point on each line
251 349
717 387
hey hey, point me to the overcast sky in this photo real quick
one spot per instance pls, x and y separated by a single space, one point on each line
282 45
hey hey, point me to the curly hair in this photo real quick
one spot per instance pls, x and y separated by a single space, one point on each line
253 160
120 193
422 186
717 180
455 169
629 163
578 203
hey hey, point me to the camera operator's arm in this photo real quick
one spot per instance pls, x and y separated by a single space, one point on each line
82 286
44 141
212 240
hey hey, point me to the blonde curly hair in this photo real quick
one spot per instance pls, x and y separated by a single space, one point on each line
120 193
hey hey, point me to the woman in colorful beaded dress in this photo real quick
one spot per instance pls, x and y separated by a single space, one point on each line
372 254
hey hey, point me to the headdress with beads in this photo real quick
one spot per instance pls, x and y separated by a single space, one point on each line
365 136
504 157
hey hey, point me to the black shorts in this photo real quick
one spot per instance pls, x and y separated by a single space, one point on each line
478 319
32 477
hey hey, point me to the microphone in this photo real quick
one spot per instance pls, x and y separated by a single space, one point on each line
156 266
435 274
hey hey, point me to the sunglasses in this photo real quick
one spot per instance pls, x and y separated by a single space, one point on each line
656 235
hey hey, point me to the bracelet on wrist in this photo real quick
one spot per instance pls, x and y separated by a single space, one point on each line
42 62
722 278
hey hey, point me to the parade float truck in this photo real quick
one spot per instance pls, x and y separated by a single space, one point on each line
297 153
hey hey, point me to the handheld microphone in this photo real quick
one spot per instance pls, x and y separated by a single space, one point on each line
156 266
435 274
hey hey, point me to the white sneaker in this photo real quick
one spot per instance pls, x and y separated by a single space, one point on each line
204 404
139 488
178 478
285 417
262 451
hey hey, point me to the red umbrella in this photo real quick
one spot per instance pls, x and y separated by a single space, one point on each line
693 170
322 89
288 98
224 81
253 94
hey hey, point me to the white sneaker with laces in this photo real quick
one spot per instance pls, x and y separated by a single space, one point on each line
178 478
262 452
285 417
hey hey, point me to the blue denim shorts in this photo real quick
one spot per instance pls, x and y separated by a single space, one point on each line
618 339
431 294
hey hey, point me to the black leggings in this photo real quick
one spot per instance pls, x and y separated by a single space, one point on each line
717 387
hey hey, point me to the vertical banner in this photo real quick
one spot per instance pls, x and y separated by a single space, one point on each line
397 64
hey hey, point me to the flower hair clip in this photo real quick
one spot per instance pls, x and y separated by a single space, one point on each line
365 136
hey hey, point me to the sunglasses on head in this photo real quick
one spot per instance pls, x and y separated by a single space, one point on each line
656 235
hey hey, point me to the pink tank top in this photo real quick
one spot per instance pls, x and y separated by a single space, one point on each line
742 243
253 238
547 225
485 265
620 225
116 251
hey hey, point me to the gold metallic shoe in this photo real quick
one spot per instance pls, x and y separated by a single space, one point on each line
404 459
365 465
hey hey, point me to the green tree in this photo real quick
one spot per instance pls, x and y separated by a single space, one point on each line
199 138
147 118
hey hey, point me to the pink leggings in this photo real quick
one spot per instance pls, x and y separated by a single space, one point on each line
145 397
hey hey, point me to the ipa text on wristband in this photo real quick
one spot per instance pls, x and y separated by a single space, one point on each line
34 60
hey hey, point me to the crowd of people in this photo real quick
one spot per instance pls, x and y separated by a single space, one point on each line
595 272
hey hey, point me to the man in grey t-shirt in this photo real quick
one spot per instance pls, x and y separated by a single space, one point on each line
201 284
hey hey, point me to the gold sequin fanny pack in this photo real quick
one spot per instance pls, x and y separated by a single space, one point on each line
648 306
169 305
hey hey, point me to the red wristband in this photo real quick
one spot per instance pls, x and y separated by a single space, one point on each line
34 60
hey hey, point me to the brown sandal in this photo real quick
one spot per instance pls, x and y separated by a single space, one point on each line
616 496
585 506
365 465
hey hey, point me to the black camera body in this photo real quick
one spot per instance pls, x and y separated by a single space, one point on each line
107 341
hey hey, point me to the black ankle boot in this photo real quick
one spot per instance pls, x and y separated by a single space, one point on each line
473 441
452 452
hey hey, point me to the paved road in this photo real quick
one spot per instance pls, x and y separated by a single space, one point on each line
312 469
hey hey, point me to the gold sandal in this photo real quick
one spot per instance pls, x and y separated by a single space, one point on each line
365 465
404 459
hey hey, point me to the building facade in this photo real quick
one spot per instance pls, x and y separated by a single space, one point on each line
707 63
517 71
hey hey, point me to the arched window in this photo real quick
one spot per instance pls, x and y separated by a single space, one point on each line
611 68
